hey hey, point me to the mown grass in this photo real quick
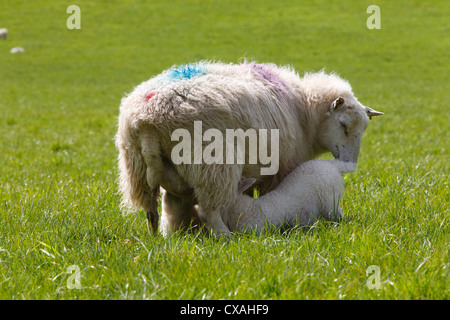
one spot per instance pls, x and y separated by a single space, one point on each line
58 194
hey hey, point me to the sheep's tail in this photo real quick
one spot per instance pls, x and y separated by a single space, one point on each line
140 166
344 167
132 173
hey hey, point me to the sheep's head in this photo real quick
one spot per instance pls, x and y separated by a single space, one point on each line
343 126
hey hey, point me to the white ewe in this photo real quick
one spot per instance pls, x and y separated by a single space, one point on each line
312 191
313 115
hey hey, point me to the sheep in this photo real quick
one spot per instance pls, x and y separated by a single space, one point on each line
310 192
3 33
17 50
312 115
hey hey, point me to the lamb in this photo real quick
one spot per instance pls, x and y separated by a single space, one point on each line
310 192
313 115
3 33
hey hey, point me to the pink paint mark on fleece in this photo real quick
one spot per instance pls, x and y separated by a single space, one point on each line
150 95
265 73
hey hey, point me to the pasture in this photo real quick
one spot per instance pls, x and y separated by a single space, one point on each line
59 105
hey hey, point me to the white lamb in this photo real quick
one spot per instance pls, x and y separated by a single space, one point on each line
311 191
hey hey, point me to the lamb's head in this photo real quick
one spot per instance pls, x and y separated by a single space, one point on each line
343 126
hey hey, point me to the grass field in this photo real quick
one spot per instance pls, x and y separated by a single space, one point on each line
59 103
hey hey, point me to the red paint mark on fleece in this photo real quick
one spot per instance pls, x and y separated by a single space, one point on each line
149 96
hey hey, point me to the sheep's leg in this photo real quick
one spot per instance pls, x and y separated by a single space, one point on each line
179 213
152 222
152 212
150 149
178 202
216 189
338 215
213 221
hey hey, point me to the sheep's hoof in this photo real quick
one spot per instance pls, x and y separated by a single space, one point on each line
221 235
152 222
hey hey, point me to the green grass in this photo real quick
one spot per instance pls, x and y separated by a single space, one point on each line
59 106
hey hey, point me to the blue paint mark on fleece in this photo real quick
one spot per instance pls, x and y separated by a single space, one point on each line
186 71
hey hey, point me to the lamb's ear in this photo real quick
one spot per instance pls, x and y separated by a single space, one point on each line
337 104
245 184
372 113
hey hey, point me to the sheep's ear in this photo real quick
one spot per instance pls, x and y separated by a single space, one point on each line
337 104
245 184
372 113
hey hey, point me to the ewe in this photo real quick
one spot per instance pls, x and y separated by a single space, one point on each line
314 114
